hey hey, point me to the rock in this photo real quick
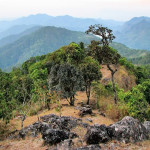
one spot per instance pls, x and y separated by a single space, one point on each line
73 135
84 125
63 123
88 119
65 145
49 117
96 134
128 130
22 133
102 114
85 110
54 136
147 126
90 147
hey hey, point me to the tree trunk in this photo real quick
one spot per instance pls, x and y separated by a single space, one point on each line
72 100
22 120
47 102
88 91
114 89
113 82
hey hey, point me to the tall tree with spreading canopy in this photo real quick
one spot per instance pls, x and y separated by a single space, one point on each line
104 33
105 54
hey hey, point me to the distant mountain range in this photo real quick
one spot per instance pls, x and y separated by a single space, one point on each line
135 33
30 36
68 22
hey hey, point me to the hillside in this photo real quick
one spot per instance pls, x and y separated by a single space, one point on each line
42 41
145 60
14 30
68 94
12 37
16 49
135 33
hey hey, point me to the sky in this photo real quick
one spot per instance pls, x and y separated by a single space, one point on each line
121 10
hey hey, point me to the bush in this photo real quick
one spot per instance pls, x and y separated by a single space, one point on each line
137 105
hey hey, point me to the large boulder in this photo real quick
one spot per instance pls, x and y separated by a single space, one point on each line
54 136
96 134
147 126
128 130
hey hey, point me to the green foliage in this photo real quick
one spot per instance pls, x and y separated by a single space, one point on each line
66 80
105 34
91 72
145 89
135 100
141 73
74 54
123 61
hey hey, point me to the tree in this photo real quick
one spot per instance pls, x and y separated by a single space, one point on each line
111 59
103 32
74 53
105 54
7 103
95 50
91 72
66 80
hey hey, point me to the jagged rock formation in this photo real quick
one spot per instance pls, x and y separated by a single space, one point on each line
97 134
126 130
58 130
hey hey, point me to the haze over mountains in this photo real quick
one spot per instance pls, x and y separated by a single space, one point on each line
25 37
135 33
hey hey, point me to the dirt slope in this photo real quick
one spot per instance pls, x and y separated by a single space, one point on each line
123 78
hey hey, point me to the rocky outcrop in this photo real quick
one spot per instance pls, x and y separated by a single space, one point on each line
96 134
58 130
128 130
54 136
63 123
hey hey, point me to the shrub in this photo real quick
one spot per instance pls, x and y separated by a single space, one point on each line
137 105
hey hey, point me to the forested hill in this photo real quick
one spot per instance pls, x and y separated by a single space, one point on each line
36 41
42 41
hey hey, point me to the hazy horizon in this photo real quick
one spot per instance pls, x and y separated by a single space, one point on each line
119 10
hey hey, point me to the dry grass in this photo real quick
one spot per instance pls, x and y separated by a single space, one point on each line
122 77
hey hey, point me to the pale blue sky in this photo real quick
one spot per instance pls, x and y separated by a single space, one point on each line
106 9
